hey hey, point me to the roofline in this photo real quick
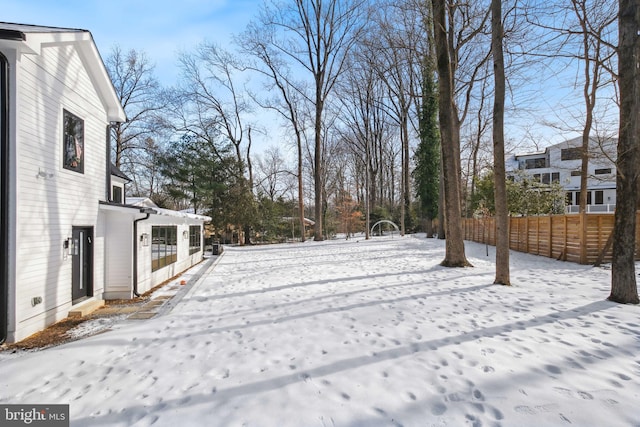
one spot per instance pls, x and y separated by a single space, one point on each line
31 43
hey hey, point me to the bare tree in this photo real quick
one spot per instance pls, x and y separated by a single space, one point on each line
218 110
318 35
132 75
500 188
259 41
595 21
624 288
272 172
450 134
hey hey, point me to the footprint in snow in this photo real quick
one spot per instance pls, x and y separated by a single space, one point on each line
438 408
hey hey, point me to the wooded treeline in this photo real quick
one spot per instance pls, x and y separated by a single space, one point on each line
351 111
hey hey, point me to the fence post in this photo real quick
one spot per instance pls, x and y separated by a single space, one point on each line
550 236
583 237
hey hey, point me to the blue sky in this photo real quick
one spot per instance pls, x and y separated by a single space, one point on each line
161 28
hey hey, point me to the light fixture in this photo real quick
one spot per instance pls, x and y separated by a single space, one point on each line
42 173
185 234
144 239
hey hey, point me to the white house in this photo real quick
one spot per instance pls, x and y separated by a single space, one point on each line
58 197
562 163
161 244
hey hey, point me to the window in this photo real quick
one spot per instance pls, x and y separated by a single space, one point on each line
569 198
588 197
555 177
195 237
599 194
117 194
164 246
73 142
536 177
605 171
546 178
575 173
571 153
535 163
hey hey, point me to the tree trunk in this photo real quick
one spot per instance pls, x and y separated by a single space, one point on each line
500 187
303 233
454 255
406 193
441 220
623 277
317 173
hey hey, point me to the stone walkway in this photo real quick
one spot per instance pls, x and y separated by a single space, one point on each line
162 300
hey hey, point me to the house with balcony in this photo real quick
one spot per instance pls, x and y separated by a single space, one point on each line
561 163
68 236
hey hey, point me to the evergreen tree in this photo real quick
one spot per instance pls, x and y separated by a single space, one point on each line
194 176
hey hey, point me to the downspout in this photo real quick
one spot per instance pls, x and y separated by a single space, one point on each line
108 197
4 198
148 212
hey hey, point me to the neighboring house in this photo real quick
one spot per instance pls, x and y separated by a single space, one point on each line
562 162
58 192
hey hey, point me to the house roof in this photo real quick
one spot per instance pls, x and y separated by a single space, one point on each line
145 202
30 39
115 171
605 143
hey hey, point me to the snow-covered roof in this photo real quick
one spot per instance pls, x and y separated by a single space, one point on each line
307 221
145 202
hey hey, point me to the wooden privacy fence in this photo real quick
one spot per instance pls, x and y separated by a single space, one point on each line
553 236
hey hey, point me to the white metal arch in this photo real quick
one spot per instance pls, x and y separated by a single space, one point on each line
385 221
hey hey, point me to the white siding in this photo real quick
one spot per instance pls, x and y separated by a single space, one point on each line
50 199
119 254
148 279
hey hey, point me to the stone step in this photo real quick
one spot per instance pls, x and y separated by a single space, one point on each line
86 308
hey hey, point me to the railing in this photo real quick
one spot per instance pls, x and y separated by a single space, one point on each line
573 209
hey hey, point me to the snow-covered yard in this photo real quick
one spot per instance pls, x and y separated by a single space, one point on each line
356 333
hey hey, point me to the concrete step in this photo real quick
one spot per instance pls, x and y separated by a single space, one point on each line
86 308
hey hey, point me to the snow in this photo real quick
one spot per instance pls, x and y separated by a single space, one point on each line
355 333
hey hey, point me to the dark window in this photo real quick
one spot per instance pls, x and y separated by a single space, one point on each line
555 177
599 197
117 194
546 177
578 197
605 171
569 198
195 239
536 177
535 163
571 153
73 144
164 246
575 173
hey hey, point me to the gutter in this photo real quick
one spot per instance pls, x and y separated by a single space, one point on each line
147 212
4 198
108 166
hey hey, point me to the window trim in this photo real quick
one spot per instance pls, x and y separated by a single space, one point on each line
603 171
571 153
164 243
73 142
195 239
